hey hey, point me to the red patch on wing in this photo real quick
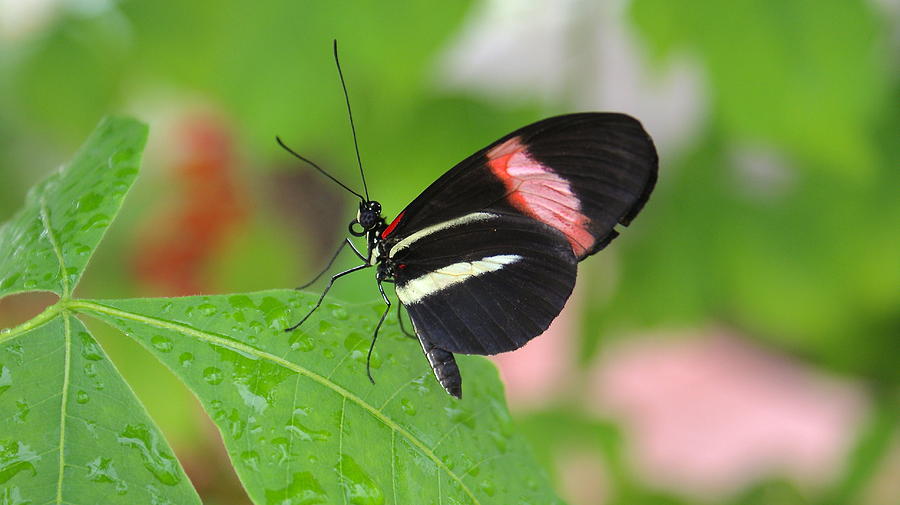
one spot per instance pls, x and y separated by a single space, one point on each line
387 231
537 191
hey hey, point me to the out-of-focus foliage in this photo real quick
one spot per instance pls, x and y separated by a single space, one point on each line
807 77
808 255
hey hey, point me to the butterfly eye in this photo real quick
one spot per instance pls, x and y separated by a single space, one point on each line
368 219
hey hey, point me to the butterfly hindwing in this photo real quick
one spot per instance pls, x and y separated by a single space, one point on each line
579 173
483 283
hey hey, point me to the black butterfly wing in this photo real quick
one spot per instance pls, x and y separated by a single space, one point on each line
579 173
485 283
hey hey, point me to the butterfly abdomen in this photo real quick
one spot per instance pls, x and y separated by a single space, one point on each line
444 366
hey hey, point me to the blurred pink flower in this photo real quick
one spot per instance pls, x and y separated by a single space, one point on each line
710 415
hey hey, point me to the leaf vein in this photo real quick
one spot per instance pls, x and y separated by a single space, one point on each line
393 470
45 221
341 448
397 392
457 425
67 332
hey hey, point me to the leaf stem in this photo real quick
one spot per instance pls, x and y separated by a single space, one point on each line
38 320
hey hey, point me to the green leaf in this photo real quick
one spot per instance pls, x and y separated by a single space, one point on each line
71 431
48 243
303 424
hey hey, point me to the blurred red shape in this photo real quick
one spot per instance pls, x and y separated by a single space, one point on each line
203 209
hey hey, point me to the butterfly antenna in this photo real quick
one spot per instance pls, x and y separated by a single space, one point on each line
350 113
317 167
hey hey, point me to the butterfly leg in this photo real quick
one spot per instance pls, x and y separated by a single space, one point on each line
402 327
444 366
327 288
340 248
375 335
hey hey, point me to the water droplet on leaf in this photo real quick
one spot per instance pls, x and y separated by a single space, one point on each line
16 457
18 353
5 378
461 415
282 445
407 407
251 459
13 496
301 342
98 220
89 202
339 313
90 369
80 249
302 490
9 281
161 464
161 343
304 433
207 309
213 376
89 348
240 301
358 486
275 312
102 470
21 411
499 440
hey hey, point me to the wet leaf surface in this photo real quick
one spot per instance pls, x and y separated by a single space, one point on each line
48 243
303 424
71 430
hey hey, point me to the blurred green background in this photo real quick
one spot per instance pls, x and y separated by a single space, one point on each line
767 263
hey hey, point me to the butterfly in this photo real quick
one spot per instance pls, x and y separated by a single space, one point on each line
486 257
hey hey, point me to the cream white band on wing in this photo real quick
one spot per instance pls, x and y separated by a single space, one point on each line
428 230
442 278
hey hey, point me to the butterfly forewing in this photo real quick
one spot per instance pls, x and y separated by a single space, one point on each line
579 173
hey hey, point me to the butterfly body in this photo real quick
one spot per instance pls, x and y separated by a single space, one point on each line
486 257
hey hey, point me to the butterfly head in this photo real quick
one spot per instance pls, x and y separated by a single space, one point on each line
368 217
